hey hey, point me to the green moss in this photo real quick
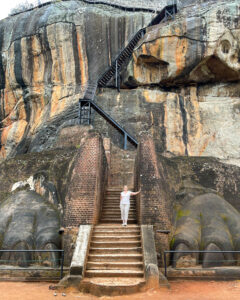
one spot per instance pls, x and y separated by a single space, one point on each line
182 213
172 242
196 221
202 245
78 146
224 217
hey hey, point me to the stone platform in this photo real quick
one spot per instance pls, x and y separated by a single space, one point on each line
199 273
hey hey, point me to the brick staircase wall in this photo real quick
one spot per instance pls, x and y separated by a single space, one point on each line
154 204
87 184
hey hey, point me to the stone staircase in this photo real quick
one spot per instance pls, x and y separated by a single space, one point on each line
115 258
121 169
111 208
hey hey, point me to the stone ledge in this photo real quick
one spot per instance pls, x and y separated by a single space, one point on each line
80 253
217 273
149 257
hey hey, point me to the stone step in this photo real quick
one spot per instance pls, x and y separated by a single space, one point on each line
114 190
116 209
136 257
117 199
115 250
114 273
116 206
116 196
117 221
117 216
110 286
115 234
103 265
119 227
115 244
114 219
117 213
113 238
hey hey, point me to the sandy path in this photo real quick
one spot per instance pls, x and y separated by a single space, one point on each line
179 291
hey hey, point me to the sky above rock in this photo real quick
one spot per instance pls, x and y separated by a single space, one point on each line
7 5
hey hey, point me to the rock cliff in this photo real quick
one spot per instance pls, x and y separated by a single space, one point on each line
180 89
48 56
183 79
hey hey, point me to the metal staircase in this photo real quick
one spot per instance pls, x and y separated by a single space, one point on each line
85 107
87 102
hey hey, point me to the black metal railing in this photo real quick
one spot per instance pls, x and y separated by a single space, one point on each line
6 261
87 102
226 261
167 13
90 104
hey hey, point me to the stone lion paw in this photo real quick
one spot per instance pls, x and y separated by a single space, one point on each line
28 221
207 222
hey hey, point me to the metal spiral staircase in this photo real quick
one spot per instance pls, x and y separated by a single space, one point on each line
87 102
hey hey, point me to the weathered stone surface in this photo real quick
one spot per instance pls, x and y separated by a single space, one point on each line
150 256
40 82
195 60
197 47
208 222
187 203
81 250
51 176
48 55
188 123
27 221
55 163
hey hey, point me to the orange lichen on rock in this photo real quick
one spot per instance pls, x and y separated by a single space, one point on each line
82 58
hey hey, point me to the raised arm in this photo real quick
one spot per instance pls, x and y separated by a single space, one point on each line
135 193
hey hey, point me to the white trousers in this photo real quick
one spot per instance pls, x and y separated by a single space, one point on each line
124 211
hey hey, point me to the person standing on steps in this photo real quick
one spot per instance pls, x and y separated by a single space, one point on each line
125 203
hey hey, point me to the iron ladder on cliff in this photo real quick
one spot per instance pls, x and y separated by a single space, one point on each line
87 103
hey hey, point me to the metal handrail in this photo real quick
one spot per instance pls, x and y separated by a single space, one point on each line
106 116
159 18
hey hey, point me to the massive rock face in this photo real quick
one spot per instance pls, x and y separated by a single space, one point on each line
196 61
48 56
181 88
190 123
196 48
195 198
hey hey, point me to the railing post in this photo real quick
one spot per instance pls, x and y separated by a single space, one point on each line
125 141
165 264
62 264
116 75
79 112
89 113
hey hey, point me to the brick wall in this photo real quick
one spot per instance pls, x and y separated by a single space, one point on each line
156 198
86 184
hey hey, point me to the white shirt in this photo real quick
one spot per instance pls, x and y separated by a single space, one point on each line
125 197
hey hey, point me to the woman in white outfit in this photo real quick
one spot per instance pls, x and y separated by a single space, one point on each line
125 203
